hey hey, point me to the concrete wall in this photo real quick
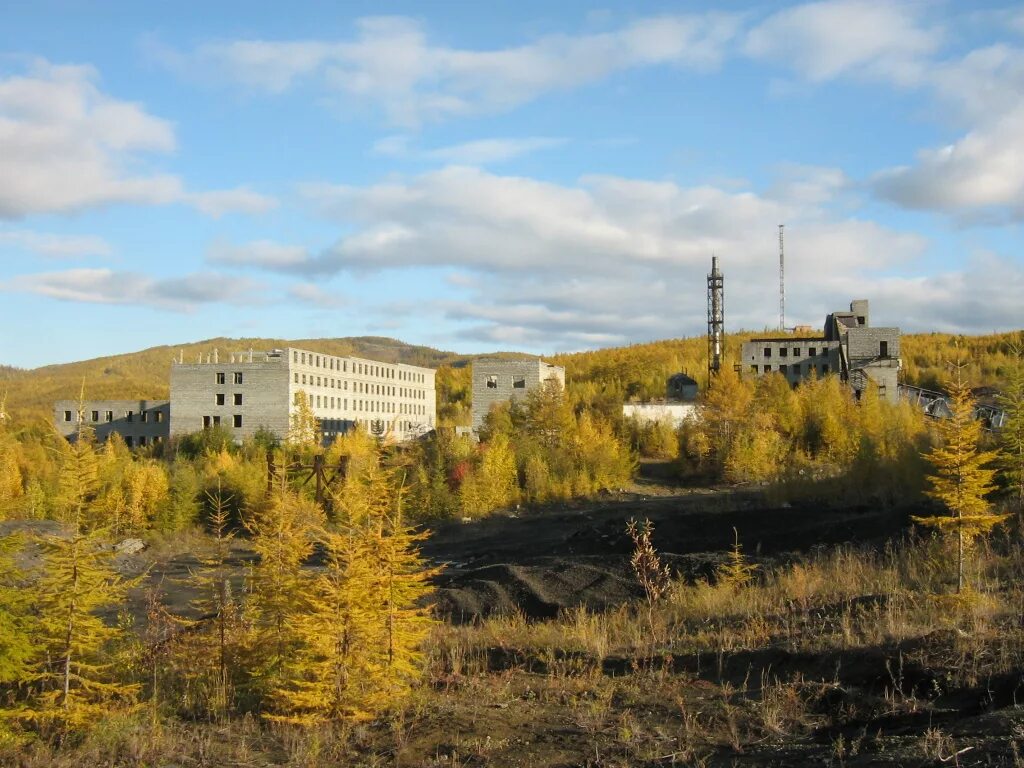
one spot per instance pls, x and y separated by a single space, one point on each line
494 381
675 413
139 422
793 357
263 389
865 343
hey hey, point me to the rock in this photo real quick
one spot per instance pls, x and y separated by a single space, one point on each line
130 547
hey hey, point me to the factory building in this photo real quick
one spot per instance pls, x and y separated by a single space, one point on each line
499 381
254 390
248 391
139 422
849 347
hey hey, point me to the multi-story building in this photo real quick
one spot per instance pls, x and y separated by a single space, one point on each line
254 390
849 347
139 422
498 381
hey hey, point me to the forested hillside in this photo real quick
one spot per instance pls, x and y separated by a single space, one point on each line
602 379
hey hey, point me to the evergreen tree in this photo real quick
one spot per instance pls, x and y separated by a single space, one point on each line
960 480
1012 433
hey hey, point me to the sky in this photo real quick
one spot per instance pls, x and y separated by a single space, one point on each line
531 176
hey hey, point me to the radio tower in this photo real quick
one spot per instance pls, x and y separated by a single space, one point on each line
716 319
782 282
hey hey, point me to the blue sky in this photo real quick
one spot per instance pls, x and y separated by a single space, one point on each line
531 176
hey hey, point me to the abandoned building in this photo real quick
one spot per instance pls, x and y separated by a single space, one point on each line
253 390
499 381
138 422
678 404
850 347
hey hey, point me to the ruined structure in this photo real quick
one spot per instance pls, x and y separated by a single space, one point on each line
849 347
138 422
253 390
499 381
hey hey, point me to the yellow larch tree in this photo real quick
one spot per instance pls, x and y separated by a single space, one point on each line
960 479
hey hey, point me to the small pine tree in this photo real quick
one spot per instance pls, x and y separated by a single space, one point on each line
960 480
737 571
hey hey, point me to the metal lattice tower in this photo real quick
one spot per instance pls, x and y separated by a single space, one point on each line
716 319
782 281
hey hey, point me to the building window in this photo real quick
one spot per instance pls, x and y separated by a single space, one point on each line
237 420
783 369
492 382
767 369
95 416
67 415
220 398
783 351
295 357
207 421
238 398
883 349
796 351
861 320
238 377
128 441
767 351
142 441
109 416
216 421
318 401
143 417
220 378
303 358
129 416
296 377
159 416
812 351
824 369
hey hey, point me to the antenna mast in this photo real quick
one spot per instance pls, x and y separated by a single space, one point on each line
716 319
782 281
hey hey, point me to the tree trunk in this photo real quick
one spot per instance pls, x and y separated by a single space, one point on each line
959 560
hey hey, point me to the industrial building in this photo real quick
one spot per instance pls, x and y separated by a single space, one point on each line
500 381
849 347
138 422
250 390
678 405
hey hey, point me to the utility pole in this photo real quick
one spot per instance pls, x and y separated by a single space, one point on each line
782 282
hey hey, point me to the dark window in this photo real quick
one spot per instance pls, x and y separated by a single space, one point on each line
129 416
783 369
143 416
767 351
220 378
812 351
519 382
238 420
860 320
238 377
883 348
238 398
767 369
220 398
95 415
142 441
796 351
824 369
783 352
216 421
492 382
128 441
67 415
207 421
109 416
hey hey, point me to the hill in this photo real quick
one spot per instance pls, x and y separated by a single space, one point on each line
602 378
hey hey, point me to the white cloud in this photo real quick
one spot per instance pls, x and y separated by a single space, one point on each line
868 38
67 146
264 254
54 246
312 294
391 64
479 152
106 286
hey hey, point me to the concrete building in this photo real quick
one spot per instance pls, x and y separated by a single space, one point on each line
499 381
253 390
677 406
139 422
849 347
